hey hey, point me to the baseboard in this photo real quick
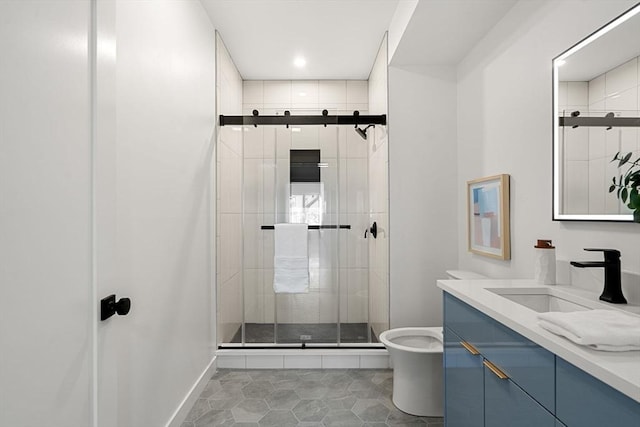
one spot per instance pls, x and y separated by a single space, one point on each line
180 414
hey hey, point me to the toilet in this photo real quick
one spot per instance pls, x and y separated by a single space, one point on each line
416 354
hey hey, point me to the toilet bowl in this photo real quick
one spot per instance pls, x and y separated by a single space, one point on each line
416 355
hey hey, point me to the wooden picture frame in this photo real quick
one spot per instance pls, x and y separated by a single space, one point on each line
488 216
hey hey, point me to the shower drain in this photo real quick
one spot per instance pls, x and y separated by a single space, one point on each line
305 337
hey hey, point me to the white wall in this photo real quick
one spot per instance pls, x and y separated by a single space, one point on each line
46 309
504 126
165 114
423 191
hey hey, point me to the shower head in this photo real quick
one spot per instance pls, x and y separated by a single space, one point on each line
363 132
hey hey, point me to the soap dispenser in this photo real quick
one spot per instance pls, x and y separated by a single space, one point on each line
544 270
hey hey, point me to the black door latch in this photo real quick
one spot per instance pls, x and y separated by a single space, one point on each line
109 307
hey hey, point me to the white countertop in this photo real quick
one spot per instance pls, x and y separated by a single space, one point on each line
621 370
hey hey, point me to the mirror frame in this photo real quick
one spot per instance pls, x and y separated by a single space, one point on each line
555 64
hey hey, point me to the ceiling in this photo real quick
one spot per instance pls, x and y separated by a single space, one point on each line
340 38
442 32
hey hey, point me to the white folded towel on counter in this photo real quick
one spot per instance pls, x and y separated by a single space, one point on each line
291 259
606 330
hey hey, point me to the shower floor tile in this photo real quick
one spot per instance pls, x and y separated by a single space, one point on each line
341 397
304 332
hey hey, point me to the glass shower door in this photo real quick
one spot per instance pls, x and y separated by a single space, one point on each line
307 191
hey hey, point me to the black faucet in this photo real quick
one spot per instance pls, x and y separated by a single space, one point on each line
612 277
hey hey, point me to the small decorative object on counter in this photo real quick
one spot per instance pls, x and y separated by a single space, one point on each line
544 270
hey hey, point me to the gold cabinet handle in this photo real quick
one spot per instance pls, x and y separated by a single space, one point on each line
493 368
470 348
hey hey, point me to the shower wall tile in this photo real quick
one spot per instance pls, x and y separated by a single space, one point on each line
625 102
277 93
340 362
231 362
374 362
253 296
622 77
252 242
328 142
343 292
268 187
576 143
253 92
253 142
597 140
230 179
283 143
357 186
265 362
269 296
357 92
252 185
358 295
562 95
329 300
304 93
305 138
230 258
269 142
357 148
598 185
576 191
302 362
597 89
577 93
332 92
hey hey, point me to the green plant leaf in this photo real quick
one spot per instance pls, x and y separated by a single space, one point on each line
625 193
615 157
634 199
612 189
625 159
636 215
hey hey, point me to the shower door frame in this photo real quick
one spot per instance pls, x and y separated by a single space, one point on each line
302 120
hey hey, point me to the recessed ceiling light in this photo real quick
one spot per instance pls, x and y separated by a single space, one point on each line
299 62
302 94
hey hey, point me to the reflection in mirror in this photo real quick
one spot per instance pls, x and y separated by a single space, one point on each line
596 113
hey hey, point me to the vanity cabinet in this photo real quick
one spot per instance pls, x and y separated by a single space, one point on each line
495 377
464 377
578 391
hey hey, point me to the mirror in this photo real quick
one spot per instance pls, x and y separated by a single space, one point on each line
596 114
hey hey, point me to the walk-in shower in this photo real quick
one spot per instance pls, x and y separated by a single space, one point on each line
314 169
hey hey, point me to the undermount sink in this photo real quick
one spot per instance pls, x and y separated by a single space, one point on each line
545 299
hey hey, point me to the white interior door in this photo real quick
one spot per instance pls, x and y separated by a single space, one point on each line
47 308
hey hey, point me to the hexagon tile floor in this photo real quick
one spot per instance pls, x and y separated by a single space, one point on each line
313 397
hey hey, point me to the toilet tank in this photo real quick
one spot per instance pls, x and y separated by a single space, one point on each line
464 275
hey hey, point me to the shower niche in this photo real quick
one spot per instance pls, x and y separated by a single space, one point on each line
322 176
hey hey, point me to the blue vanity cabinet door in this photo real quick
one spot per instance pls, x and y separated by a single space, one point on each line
467 322
585 401
507 405
464 384
527 364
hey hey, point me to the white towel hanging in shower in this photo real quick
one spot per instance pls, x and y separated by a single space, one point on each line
291 259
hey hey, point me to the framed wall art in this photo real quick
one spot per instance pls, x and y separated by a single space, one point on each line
488 216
